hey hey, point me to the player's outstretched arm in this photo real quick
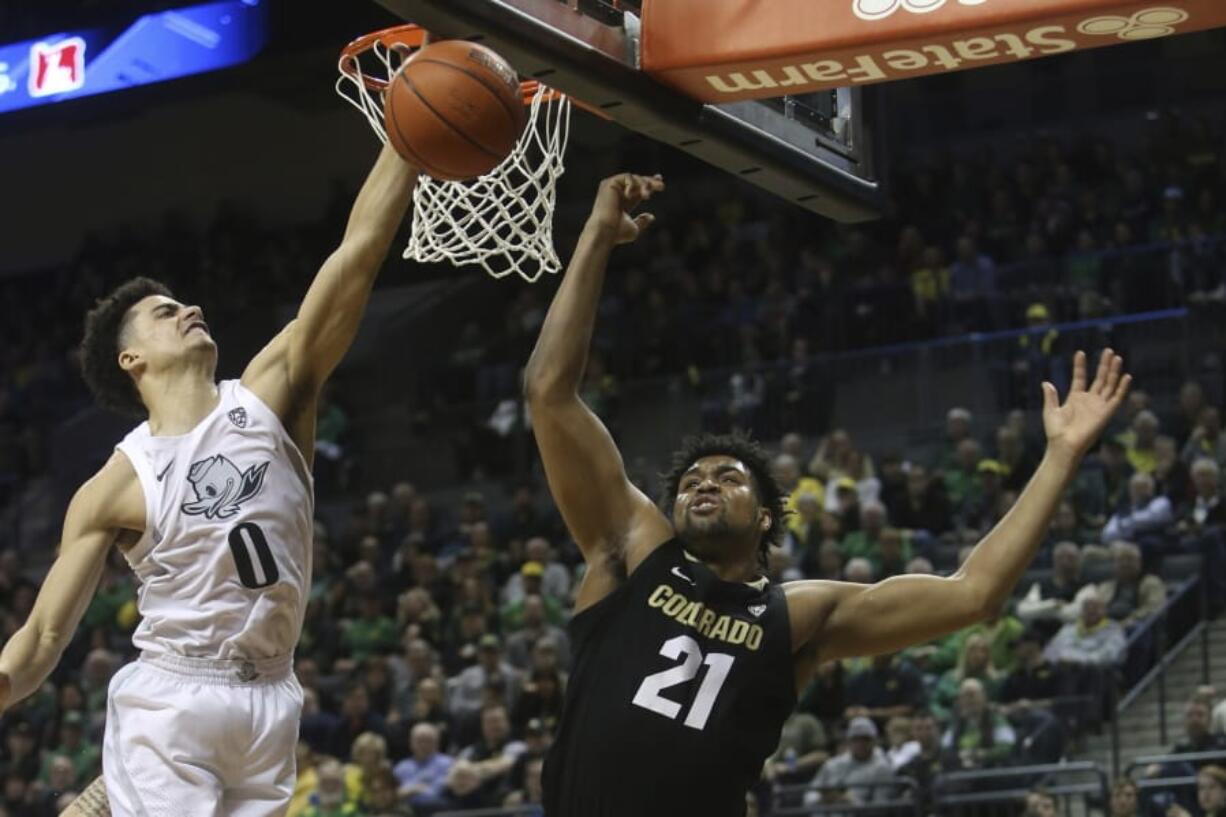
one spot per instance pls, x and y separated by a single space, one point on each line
298 361
833 620
603 510
92 524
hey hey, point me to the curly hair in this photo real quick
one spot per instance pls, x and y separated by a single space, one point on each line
749 452
111 386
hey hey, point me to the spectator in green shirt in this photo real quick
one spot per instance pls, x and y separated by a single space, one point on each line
977 736
962 476
372 632
974 663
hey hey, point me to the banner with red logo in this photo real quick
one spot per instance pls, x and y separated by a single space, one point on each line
752 49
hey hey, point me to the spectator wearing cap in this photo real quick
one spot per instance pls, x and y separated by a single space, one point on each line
1131 595
422 777
1037 358
537 737
1146 513
856 774
977 735
554 577
532 577
467 689
981 513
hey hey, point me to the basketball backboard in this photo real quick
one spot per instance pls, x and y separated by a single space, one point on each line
816 150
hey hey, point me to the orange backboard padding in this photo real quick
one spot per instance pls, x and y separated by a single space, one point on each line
727 50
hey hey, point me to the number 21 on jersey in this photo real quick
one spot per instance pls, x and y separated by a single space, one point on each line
687 650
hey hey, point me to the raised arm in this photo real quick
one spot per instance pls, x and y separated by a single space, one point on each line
604 512
95 519
288 373
834 620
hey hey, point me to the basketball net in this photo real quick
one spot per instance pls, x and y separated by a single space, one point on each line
502 221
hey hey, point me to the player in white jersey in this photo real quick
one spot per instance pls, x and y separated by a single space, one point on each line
210 500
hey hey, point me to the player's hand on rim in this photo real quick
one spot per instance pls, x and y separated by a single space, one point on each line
617 197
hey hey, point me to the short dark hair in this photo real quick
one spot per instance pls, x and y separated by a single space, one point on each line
111 386
749 452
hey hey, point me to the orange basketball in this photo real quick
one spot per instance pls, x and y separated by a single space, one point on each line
454 109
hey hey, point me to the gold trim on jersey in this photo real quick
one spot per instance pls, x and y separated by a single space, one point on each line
710 624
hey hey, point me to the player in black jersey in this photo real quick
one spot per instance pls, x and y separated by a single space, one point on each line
686 659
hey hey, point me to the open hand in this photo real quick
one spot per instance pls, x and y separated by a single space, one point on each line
617 197
1073 427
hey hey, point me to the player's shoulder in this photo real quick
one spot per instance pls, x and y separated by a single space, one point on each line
112 496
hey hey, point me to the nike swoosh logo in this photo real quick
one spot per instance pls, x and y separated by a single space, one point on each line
676 571
165 470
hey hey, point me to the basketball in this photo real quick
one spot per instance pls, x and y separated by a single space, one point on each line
454 110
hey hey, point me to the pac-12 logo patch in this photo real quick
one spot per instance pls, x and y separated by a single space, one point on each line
756 610
238 416
221 488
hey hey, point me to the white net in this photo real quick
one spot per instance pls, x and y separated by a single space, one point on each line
502 221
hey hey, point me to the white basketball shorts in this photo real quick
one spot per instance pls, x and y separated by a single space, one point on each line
189 737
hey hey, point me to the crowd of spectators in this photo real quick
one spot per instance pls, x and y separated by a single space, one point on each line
434 654
1056 230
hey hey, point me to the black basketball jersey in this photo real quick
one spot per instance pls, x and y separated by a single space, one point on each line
679 688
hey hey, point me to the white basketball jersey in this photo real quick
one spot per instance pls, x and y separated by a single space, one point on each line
225 560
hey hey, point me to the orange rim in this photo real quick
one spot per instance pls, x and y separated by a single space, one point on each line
413 36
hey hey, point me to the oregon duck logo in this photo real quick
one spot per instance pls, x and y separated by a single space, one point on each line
221 488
